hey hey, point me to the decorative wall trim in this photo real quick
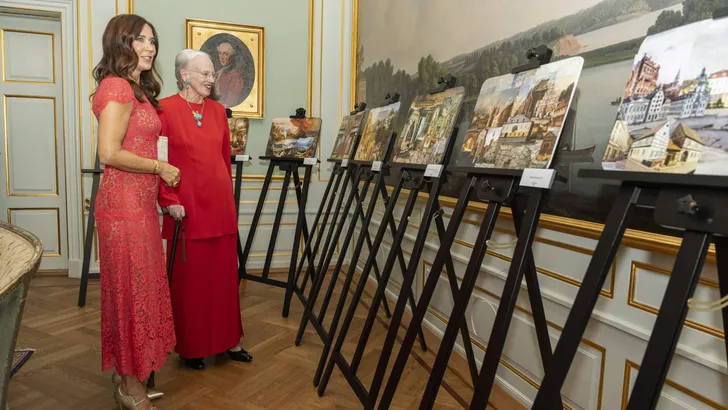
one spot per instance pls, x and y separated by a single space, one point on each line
654 310
630 365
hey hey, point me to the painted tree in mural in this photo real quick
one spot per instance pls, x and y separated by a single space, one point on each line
693 10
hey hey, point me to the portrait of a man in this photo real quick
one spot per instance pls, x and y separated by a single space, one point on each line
237 54
230 80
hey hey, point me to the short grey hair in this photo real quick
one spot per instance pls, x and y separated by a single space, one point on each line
182 61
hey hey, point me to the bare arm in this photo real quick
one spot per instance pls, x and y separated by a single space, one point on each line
113 122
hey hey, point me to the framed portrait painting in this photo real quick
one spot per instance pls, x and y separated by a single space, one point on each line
237 52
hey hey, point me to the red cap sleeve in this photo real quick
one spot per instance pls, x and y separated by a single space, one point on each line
112 89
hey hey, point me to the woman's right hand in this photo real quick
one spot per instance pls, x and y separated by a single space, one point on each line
170 174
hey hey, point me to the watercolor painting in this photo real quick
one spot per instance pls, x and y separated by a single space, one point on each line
429 126
377 132
347 135
293 138
238 135
673 117
518 118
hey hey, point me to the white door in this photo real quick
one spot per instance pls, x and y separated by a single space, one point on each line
32 167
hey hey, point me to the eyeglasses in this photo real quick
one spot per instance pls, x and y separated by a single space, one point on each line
206 74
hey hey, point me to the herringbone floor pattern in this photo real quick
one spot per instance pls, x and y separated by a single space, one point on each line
65 371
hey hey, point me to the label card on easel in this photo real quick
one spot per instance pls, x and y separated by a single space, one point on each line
309 161
433 170
376 166
163 149
242 158
538 178
344 163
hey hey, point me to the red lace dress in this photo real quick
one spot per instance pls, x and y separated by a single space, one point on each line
137 330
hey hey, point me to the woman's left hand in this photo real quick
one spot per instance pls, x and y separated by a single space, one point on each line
176 211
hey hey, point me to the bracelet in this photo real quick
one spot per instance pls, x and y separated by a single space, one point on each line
156 167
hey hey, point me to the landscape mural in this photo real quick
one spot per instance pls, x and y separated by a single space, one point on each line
293 138
377 133
607 34
346 137
518 118
673 116
430 121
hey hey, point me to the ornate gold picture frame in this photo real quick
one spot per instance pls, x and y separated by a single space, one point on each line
238 53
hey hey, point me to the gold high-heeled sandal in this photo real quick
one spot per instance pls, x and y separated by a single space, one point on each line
128 401
151 393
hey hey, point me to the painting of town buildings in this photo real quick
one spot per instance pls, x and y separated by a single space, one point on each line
238 135
428 129
346 137
518 118
293 138
674 113
377 133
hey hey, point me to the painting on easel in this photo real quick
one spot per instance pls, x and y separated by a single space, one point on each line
293 138
346 138
673 117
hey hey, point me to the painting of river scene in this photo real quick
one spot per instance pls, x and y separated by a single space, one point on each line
293 138
607 34
673 116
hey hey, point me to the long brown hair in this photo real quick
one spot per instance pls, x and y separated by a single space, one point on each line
121 60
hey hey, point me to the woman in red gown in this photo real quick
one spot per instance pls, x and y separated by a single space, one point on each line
136 315
205 296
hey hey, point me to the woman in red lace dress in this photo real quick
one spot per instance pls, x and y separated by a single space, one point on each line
137 329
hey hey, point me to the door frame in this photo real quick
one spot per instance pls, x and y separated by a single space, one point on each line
68 14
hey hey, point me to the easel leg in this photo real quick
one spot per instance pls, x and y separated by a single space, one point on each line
236 194
534 297
89 241
509 297
721 254
327 203
333 233
408 274
347 283
428 291
453 281
460 305
403 268
256 219
364 231
301 198
300 226
276 225
433 210
364 277
586 298
317 282
669 322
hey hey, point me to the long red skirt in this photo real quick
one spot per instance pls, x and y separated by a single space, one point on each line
205 296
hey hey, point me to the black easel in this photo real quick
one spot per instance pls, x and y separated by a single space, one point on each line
290 166
96 172
238 161
693 204
416 179
497 188
339 173
366 172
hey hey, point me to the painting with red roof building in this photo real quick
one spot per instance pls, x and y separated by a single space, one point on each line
674 113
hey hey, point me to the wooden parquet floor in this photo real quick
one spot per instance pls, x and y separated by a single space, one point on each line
64 373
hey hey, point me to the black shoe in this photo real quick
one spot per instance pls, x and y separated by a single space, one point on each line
239 356
196 364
